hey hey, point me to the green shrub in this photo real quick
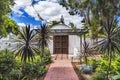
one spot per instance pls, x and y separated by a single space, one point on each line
46 57
99 76
103 66
14 69
16 74
115 66
8 65
116 77
33 70
94 64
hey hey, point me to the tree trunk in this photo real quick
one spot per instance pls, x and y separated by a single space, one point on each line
110 60
86 62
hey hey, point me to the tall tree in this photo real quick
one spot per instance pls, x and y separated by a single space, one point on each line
105 13
6 24
84 8
72 25
52 23
108 12
5 8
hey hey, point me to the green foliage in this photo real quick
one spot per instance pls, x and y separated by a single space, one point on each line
86 51
52 23
44 37
16 74
99 76
72 25
26 49
5 8
101 66
8 66
7 25
32 70
46 57
95 28
116 77
94 63
115 66
14 69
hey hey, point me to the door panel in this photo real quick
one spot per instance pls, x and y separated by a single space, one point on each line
61 44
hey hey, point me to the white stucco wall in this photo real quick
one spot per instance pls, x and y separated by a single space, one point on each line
50 45
74 40
74 43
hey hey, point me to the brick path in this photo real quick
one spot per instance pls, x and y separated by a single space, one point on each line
61 70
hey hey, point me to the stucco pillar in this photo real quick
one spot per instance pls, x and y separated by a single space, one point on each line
80 48
80 43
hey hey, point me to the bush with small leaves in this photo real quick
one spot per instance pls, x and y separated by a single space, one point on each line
33 70
99 76
116 77
8 66
94 63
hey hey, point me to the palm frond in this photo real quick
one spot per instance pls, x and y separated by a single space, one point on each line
43 36
26 50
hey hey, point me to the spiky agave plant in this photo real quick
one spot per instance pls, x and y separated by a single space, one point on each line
26 48
44 37
86 51
110 43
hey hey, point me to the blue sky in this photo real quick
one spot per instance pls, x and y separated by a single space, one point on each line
25 18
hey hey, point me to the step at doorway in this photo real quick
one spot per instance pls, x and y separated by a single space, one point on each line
61 57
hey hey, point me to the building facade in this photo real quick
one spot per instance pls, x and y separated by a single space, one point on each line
66 40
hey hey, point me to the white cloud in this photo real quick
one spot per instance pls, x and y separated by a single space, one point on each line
53 0
48 10
20 4
21 25
53 11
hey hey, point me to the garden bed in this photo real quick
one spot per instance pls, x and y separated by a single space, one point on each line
80 75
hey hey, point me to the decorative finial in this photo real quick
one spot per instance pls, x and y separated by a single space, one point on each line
62 19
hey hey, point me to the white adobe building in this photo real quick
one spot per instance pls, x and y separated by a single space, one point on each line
66 40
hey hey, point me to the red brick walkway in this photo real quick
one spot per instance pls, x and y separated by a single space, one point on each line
61 70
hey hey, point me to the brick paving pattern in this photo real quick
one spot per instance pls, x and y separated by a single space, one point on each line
61 69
